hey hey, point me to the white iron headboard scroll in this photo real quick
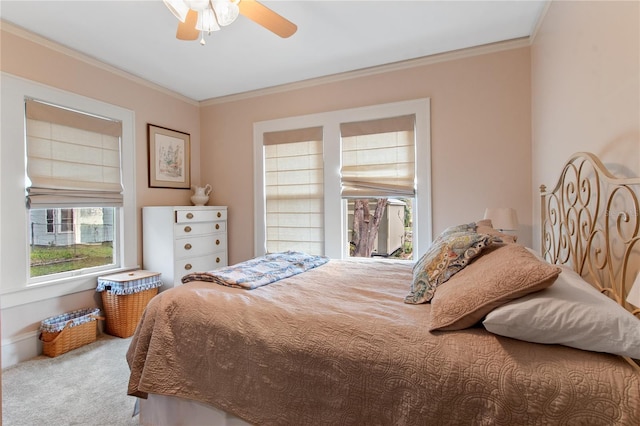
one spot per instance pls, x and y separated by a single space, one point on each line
591 220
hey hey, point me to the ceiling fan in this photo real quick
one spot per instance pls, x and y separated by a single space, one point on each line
205 16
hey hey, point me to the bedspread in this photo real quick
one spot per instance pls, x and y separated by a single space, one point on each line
337 345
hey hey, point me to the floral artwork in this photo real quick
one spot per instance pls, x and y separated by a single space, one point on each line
168 158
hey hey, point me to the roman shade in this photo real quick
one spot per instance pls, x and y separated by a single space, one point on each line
294 190
378 158
73 158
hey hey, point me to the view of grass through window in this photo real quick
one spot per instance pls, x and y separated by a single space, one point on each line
64 240
53 260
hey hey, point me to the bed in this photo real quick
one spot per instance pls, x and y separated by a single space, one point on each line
481 330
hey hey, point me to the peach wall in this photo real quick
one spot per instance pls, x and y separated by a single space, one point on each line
585 72
480 122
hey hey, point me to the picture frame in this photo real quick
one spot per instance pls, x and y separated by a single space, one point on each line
169 158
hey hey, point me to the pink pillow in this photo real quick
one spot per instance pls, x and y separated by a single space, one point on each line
500 274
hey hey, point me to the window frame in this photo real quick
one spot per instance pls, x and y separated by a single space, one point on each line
16 287
335 216
66 223
51 221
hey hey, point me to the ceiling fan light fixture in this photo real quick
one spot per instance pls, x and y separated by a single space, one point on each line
207 21
198 5
178 7
198 16
226 11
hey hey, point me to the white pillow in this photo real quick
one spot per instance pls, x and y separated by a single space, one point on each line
572 313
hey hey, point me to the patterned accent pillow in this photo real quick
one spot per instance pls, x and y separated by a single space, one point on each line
465 227
450 252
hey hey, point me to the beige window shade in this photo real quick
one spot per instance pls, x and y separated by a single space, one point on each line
294 190
294 135
73 159
378 158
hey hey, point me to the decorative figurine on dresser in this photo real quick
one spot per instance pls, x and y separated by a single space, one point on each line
178 240
200 195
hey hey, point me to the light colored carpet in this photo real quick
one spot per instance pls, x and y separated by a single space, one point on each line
87 386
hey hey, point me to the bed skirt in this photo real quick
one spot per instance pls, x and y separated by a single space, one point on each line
160 410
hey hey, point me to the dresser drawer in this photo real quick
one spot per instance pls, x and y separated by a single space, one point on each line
199 264
191 216
199 228
198 246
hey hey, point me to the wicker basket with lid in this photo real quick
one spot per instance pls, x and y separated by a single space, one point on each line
125 296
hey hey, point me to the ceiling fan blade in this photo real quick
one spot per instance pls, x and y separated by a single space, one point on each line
262 15
187 29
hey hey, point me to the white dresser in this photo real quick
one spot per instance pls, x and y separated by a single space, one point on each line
178 240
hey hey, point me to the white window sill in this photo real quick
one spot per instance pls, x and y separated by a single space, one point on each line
54 289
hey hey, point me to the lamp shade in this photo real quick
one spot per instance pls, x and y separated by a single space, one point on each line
207 21
502 218
226 11
633 297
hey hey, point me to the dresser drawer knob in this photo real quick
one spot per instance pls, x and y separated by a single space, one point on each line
219 214
187 246
187 229
217 242
189 215
217 226
188 266
217 260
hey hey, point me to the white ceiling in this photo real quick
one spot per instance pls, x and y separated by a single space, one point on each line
333 37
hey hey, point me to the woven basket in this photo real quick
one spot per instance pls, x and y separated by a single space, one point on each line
123 311
75 329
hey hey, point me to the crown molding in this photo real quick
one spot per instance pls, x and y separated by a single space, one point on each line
27 35
380 69
538 24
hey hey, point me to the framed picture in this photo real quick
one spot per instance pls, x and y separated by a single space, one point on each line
169 158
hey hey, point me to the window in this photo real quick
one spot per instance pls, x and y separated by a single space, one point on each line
294 191
79 181
51 220
66 220
52 225
378 180
394 146
73 160
70 239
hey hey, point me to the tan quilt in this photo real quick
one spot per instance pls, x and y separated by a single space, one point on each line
337 345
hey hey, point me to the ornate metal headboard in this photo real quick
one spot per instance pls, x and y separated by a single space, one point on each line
591 221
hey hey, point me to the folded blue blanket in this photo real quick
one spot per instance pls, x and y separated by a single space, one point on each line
260 271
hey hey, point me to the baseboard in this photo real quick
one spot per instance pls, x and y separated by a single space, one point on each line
20 348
